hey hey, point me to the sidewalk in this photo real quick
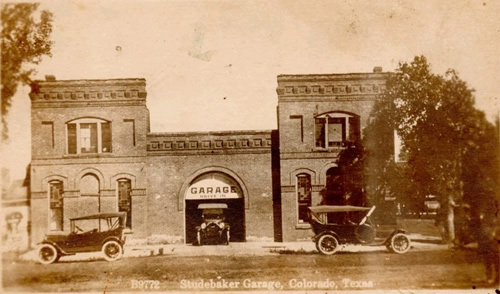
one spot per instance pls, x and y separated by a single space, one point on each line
419 243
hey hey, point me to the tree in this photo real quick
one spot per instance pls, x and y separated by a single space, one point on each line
441 131
24 41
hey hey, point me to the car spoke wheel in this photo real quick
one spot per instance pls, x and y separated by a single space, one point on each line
47 254
327 244
400 243
112 250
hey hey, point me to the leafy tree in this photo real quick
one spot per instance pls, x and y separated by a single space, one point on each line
441 131
351 160
25 40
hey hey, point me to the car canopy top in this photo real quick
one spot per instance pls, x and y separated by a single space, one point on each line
320 213
337 208
212 206
101 215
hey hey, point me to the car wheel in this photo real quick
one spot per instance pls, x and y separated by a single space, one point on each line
400 243
47 254
198 239
317 245
112 250
327 244
226 238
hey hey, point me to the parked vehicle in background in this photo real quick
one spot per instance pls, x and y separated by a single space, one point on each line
338 225
99 232
213 229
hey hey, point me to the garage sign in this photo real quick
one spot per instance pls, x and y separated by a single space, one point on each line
213 186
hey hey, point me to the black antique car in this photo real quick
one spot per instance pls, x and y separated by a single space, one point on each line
338 225
213 229
99 232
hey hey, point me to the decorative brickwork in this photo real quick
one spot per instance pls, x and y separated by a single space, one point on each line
102 92
341 87
138 192
227 141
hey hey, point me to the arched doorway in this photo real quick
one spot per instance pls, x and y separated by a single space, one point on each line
215 187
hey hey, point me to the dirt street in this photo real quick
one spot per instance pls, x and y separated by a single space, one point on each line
433 269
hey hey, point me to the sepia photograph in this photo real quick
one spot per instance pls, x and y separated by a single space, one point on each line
250 146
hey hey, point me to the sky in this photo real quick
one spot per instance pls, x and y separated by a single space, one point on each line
212 65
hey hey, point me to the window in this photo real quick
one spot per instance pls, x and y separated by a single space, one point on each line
88 136
334 129
303 196
56 206
125 200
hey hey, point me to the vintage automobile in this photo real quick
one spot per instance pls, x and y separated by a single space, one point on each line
99 232
213 229
334 226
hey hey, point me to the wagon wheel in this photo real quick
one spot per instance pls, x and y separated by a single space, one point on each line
47 254
112 250
327 244
400 243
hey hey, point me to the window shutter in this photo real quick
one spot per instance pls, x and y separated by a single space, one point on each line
72 138
354 129
106 137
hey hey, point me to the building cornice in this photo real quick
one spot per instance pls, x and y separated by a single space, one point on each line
80 104
210 133
209 141
317 98
332 77
85 91
359 86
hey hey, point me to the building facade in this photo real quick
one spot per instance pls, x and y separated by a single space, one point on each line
93 151
318 115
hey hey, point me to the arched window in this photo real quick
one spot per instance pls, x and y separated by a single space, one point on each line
125 199
88 135
56 191
335 128
304 191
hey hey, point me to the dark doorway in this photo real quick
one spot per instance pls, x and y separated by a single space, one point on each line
235 217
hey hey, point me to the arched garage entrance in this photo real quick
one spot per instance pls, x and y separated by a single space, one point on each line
215 187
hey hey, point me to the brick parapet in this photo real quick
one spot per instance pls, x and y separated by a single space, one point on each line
230 141
354 86
75 92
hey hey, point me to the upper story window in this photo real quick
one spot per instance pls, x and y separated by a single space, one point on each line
88 135
335 128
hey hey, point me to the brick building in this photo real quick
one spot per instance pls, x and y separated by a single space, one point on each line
93 151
